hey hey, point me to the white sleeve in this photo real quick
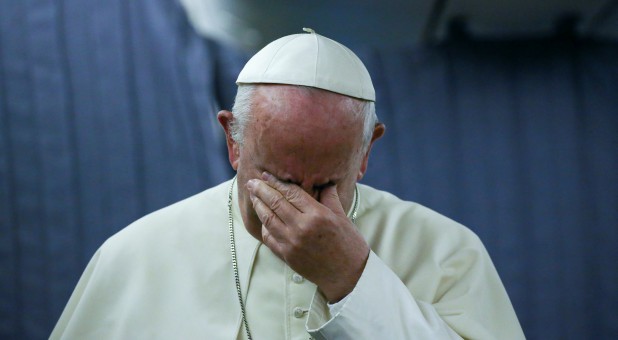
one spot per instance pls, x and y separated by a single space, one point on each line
334 308
379 307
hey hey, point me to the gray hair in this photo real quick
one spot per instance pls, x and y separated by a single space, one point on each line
243 105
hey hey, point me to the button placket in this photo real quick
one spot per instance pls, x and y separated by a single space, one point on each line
299 292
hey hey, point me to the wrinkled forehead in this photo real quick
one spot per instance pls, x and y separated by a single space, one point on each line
299 115
306 104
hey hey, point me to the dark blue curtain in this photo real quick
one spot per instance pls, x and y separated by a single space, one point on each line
519 141
107 112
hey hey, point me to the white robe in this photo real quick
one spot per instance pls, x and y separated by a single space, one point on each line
169 276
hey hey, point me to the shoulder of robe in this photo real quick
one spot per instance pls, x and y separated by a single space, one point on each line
199 221
160 277
382 214
420 245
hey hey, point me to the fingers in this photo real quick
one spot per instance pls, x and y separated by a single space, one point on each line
270 241
286 201
263 211
272 225
330 198
292 193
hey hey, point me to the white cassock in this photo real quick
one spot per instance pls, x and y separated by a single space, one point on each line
169 276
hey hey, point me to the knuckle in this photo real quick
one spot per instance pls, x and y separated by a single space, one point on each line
305 231
316 219
275 202
267 218
309 232
265 236
268 239
295 245
292 195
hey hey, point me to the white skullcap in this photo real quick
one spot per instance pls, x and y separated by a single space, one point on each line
310 59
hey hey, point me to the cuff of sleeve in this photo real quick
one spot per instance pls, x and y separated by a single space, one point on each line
322 315
334 308
380 306
320 311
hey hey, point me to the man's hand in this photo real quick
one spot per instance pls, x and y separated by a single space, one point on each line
316 239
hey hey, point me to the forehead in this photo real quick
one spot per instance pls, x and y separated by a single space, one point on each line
305 106
304 132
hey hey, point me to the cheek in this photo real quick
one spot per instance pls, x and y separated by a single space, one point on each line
346 193
246 164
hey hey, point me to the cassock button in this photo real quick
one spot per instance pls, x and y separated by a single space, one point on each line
297 278
298 312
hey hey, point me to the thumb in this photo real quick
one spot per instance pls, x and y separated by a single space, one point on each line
330 198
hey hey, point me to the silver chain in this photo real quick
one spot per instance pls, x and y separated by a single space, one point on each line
233 249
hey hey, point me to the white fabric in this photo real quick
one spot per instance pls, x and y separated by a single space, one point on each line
310 59
273 292
393 312
334 308
169 276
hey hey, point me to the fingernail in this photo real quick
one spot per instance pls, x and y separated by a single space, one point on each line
266 175
250 184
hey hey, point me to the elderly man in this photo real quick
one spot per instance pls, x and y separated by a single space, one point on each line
293 247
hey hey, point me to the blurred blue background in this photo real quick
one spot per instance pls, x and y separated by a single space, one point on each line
502 118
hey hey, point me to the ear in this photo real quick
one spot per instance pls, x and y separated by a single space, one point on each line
378 131
226 118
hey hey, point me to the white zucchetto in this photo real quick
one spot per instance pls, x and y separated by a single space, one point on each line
309 59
